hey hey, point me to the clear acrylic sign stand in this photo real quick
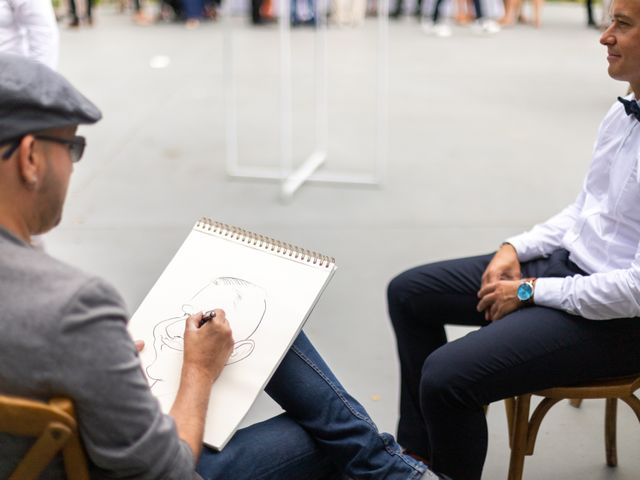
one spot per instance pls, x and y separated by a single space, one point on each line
290 177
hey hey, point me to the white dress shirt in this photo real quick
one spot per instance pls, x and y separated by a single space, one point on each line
29 28
601 230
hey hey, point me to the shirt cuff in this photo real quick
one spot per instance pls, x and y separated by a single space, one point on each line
524 253
548 292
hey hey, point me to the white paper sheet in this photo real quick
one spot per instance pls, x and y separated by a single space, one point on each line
266 295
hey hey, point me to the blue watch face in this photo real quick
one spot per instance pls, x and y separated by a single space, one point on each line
525 292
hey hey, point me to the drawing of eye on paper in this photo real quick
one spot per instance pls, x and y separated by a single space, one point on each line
244 304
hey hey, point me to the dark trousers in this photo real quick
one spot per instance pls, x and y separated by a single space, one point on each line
590 19
444 386
73 10
193 9
436 10
397 10
255 11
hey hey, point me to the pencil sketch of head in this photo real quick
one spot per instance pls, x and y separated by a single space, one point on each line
244 304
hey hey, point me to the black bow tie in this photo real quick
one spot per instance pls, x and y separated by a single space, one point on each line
630 107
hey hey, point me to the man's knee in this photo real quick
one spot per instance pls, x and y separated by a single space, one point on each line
444 382
398 290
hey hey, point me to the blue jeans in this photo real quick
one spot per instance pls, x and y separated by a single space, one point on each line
324 434
193 8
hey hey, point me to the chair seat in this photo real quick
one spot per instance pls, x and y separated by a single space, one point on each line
613 388
523 429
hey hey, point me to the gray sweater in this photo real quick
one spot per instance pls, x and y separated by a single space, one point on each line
63 333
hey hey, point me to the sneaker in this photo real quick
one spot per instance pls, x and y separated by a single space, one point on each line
486 25
441 30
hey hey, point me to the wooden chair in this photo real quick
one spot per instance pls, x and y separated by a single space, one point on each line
54 427
523 429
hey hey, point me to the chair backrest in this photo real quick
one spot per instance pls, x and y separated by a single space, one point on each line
53 425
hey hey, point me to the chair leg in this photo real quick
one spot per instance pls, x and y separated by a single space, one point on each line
519 436
510 407
634 403
610 431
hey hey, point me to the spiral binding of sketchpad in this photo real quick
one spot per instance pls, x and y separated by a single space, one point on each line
264 242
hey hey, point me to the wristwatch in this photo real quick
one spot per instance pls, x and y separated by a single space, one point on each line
526 290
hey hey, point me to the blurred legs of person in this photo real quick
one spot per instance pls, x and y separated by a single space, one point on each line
296 15
440 29
590 20
256 17
397 10
89 5
73 13
348 12
266 11
537 12
513 12
138 14
193 12
463 12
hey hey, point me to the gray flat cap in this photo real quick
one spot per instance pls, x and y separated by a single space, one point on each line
33 97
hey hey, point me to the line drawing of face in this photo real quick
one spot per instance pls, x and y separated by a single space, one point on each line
244 304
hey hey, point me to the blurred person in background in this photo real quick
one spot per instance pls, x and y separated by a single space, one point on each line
139 16
28 28
397 11
434 24
513 13
304 16
348 12
193 11
74 15
256 12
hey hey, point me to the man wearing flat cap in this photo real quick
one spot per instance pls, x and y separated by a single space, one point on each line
64 335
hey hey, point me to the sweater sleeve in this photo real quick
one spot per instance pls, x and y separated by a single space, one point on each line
124 432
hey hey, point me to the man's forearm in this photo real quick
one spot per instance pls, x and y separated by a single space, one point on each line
190 408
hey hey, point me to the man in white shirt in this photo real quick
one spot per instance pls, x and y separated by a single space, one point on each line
559 303
28 28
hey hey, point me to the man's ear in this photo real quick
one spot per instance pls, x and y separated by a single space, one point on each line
29 167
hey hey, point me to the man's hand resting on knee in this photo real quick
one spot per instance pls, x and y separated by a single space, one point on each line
500 282
498 299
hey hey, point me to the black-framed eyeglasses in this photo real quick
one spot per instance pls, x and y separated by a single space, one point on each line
76 145
13 145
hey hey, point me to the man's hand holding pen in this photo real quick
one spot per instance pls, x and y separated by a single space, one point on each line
208 343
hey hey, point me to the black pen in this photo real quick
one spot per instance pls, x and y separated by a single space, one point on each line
206 317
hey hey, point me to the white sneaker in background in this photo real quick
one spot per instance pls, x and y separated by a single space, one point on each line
486 25
427 25
441 30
